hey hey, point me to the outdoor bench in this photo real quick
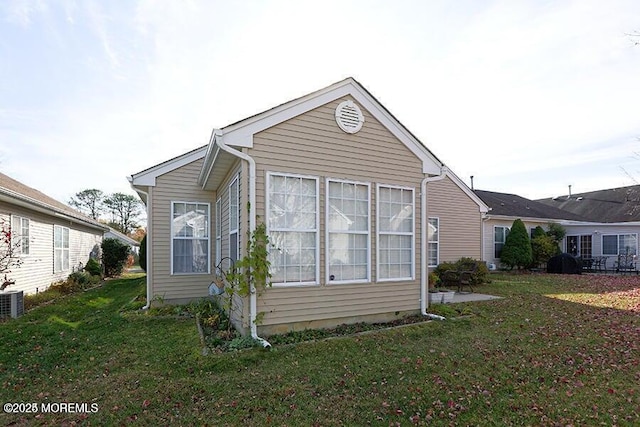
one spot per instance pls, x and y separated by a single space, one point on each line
461 277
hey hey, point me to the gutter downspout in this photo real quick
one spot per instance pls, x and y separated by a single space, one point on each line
424 276
253 304
149 252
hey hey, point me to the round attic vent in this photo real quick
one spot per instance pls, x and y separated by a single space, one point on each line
349 117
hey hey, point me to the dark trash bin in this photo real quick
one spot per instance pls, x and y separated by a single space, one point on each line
564 264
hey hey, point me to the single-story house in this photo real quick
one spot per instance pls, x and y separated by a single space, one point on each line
505 208
602 224
612 222
53 239
133 244
357 210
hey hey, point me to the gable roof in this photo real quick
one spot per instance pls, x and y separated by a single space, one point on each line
15 192
122 237
620 204
240 134
512 205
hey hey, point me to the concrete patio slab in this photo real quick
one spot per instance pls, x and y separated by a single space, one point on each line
471 297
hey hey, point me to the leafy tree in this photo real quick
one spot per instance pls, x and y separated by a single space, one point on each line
543 247
517 247
114 257
142 256
89 202
125 210
557 233
138 234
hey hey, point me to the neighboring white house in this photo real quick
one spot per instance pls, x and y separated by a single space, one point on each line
54 239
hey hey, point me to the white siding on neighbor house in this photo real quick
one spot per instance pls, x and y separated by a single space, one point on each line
36 272
181 185
312 144
489 226
596 231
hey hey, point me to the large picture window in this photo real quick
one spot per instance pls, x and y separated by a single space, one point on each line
499 237
190 238
292 221
347 231
60 249
20 234
395 219
620 244
434 241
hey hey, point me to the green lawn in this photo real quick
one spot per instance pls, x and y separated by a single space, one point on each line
555 351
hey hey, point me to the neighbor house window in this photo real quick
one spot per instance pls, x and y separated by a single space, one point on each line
292 221
60 249
347 231
434 240
234 220
499 237
20 235
620 244
218 231
190 238
395 221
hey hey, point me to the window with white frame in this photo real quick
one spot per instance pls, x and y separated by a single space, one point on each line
433 241
347 231
234 220
292 221
395 219
20 235
620 244
60 249
218 231
189 238
500 234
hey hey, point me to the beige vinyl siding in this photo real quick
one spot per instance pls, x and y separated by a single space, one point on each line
179 185
460 220
36 272
312 144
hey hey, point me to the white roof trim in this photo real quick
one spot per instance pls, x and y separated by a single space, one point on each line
484 208
148 177
240 134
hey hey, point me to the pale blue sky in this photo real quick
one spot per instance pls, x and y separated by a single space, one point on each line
527 96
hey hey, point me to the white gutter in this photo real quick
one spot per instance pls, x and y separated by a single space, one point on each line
149 251
424 276
253 304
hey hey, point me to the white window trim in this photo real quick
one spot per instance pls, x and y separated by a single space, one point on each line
171 237
433 241
62 248
617 242
367 233
235 180
20 249
316 282
506 227
218 231
412 234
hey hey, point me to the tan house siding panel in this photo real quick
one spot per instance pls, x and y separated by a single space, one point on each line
459 220
179 185
36 273
312 144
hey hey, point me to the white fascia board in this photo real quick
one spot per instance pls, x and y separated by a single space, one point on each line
241 133
148 177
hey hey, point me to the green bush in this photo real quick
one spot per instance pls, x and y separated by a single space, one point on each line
93 267
114 257
479 276
517 247
142 256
